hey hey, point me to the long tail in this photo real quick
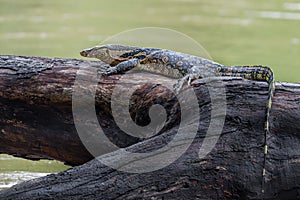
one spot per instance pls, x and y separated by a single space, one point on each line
271 83
259 73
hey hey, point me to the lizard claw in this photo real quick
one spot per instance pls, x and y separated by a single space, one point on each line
189 81
179 85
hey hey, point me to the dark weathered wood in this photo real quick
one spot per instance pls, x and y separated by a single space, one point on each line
36 109
37 123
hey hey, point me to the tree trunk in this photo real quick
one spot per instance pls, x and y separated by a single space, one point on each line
36 99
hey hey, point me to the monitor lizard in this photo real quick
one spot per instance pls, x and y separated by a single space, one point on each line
184 67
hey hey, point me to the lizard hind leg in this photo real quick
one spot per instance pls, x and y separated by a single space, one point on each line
186 79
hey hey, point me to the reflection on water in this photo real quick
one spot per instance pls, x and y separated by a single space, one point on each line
278 15
292 6
9 179
295 41
24 35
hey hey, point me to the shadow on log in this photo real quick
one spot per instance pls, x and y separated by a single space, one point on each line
37 122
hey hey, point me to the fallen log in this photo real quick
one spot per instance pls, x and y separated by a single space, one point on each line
37 122
36 106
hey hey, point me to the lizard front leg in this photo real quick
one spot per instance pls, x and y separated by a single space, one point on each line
121 67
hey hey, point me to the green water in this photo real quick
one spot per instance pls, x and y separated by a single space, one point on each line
233 32
237 32
15 170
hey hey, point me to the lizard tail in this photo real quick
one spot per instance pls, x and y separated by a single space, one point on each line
271 83
259 73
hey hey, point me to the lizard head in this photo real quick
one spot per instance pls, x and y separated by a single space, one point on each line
108 53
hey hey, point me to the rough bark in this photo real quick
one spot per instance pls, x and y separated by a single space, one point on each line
36 109
37 122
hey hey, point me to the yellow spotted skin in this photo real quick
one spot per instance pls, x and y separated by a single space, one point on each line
185 67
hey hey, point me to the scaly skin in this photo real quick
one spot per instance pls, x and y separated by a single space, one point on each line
185 67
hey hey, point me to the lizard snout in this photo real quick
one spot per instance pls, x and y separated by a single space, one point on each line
84 53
